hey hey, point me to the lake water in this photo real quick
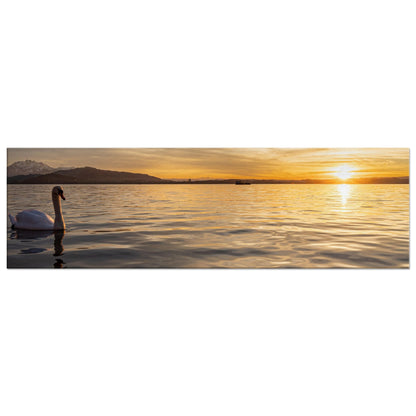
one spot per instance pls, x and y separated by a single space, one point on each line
204 226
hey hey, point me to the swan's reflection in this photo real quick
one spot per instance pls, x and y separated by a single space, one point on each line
30 235
57 244
59 248
59 264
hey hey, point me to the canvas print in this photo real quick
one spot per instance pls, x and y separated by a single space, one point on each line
208 208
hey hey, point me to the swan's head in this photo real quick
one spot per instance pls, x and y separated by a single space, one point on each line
57 190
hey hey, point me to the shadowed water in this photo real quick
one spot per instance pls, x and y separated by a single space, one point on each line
257 226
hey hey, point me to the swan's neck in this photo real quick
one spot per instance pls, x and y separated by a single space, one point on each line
59 223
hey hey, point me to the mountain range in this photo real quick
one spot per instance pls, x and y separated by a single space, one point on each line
86 175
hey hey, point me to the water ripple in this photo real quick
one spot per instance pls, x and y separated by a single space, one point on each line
262 226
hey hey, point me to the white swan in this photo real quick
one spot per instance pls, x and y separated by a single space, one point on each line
32 219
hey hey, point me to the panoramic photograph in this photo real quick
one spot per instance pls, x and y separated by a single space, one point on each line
208 208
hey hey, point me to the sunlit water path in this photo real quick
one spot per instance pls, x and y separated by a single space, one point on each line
256 226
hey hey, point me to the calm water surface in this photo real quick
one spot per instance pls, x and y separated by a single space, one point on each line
257 226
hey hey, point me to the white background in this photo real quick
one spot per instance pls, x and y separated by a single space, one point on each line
201 74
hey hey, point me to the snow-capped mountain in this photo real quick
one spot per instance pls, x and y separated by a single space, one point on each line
31 167
28 167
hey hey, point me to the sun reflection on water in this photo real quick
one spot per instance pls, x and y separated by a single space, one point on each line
344 192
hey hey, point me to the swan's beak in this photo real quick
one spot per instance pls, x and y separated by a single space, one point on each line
62 195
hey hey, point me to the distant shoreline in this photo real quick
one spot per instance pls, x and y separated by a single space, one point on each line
212 183
92 176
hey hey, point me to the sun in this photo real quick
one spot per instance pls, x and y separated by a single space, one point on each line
343 172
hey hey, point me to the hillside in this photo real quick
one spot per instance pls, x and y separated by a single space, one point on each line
86 175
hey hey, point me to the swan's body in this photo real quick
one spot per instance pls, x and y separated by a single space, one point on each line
33 219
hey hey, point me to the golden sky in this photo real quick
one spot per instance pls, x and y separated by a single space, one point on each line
224 163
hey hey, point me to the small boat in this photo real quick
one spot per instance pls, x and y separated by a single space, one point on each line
239 182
